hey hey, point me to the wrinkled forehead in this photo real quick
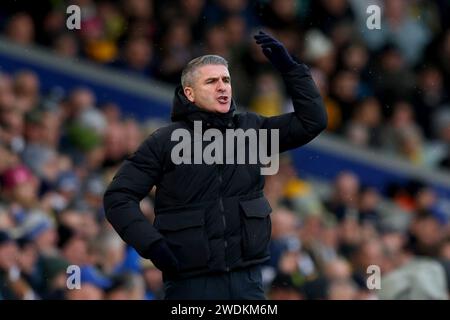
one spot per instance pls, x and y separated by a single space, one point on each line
211 71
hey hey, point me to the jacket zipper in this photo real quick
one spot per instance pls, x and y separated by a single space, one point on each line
222 210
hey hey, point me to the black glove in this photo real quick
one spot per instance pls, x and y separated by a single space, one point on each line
275 52
162 257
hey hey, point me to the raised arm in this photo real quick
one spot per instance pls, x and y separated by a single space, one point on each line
309 117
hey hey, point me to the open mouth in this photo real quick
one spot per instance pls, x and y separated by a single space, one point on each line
223 99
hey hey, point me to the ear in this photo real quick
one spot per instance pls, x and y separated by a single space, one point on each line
189 93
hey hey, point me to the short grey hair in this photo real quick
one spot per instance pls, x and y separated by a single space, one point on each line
187 76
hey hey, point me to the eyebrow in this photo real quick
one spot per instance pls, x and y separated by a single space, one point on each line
216 78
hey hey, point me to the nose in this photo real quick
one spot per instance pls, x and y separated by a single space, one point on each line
220 85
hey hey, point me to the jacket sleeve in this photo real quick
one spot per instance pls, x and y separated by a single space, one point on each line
133 181
309 117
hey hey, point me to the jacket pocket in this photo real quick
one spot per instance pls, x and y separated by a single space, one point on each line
186 236
256 228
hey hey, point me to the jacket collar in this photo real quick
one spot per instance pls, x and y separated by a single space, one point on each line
184 110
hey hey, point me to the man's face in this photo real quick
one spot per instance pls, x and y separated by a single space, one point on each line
211 88
8 255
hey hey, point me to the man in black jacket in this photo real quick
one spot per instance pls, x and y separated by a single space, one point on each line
212 225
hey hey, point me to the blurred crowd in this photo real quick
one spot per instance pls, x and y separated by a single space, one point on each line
57 155
330 244
385 89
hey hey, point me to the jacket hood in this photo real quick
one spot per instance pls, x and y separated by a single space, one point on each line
183 109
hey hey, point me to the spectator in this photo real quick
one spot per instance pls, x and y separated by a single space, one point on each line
137 57
343 201
66 45
364 128
176 51
402 136
429 99
20 187
93 285
26 89
415 278
20 29
408 33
